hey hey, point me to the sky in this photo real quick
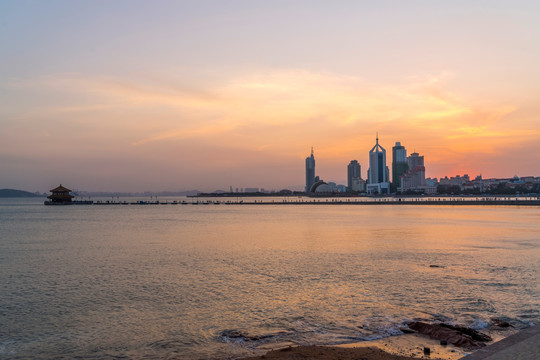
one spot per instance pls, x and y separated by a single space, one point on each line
178 95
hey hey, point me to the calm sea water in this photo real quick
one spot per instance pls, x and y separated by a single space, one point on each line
222 281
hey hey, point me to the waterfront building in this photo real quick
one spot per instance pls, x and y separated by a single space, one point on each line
341 188
503 185
358 185
378 171
354 174
310 171
432 182
415 177
60 195
415 160
333 186
457 181
320 187
399 164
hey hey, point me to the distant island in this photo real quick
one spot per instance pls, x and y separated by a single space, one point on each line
12 193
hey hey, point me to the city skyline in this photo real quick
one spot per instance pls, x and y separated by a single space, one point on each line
136 96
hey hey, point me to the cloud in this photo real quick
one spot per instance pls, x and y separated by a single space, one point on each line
266 114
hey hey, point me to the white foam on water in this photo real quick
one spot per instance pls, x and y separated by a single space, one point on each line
479 324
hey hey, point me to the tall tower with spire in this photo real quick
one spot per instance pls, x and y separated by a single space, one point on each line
378 171
310 171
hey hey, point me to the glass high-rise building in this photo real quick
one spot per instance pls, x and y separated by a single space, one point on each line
310 171
377 164
399 163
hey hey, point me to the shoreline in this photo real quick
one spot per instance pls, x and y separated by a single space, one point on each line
406 346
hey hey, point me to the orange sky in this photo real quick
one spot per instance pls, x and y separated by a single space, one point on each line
139 113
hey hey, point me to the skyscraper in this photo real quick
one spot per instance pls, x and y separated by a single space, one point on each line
310 171
378 171
399 164
353 173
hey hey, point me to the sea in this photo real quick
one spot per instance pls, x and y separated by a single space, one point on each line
229 281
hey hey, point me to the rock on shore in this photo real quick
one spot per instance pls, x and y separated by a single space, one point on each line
455 335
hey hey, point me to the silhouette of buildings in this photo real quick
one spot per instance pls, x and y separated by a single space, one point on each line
378 171
399 164
310 171
457 180
415 177
354 176
466 184
409 175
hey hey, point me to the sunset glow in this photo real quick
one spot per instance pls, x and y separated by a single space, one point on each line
133 98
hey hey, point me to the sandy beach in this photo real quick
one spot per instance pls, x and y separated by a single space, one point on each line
329 353
401 347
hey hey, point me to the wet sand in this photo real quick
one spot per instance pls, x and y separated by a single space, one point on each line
402 347
329 353
412 346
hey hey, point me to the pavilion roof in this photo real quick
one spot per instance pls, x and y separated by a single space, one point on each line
60 189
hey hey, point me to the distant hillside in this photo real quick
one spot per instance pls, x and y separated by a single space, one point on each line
147 193
11 193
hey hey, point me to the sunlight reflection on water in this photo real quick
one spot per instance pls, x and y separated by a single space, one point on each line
218 281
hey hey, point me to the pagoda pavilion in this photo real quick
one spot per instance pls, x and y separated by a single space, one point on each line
60 195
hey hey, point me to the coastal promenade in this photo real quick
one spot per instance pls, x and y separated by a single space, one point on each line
525 345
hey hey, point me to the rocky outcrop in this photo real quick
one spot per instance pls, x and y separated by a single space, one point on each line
455 335
501 323
475 335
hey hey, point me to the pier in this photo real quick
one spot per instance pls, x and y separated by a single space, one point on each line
380 201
